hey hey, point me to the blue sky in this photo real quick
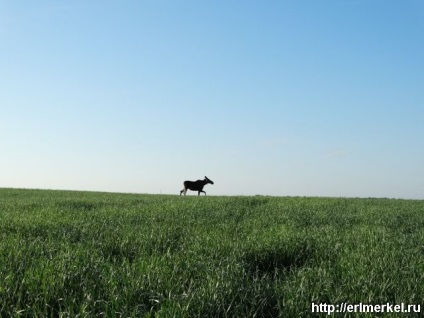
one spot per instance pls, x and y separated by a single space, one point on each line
299 98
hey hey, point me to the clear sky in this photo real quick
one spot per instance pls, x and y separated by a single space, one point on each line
298 98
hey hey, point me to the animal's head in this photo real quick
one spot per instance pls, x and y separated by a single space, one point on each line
208 180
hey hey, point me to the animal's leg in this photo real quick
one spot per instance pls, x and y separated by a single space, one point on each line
203 192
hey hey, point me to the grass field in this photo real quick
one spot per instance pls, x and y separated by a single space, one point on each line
86 254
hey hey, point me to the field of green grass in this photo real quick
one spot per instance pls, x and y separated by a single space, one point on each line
86 254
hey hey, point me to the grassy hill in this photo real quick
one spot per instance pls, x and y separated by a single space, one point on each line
66 253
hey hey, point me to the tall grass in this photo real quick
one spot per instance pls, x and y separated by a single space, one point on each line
68 254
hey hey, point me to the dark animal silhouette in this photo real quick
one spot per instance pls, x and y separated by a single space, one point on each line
195 185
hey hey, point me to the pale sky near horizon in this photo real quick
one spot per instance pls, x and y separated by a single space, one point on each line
297 98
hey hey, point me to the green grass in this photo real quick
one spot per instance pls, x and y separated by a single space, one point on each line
88 254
